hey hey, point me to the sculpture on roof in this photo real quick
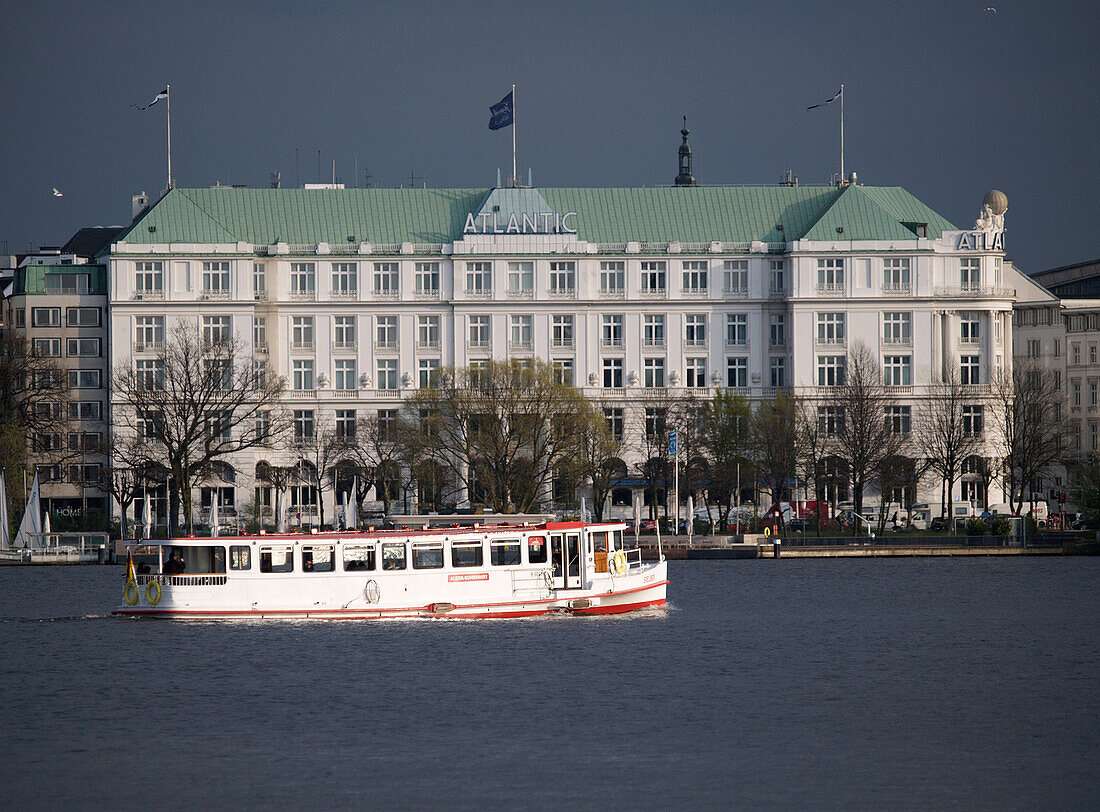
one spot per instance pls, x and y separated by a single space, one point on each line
992 219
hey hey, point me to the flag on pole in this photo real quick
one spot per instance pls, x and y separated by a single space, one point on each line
131 575
500 114
162 95
839 93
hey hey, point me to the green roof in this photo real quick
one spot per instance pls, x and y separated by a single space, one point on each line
32 279
387 216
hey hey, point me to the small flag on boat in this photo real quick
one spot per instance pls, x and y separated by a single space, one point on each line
162 95
500 114
131 575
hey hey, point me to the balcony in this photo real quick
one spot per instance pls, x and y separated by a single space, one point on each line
345 393
737 342
612 293
387 393
830 289
735 293
344 345
149 295
562 343
479 345
654 342
385 346
976 292
479 293
519 346
426 295
830 341
613 343
897 289
302 346
259 295
695 342
215 294
259 348
148 346
898 389
897 341
429 344
345 294
563 293
776 293
301 394
386 294
521 293
694 293
654 293
303 295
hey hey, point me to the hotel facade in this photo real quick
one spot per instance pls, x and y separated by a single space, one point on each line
356 296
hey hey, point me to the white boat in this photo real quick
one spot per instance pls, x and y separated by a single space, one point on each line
498 571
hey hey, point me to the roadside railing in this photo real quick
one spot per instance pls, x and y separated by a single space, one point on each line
902 541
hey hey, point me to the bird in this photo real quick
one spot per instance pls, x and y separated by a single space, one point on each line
990 10
57 193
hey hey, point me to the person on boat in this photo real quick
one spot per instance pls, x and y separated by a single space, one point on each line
175 564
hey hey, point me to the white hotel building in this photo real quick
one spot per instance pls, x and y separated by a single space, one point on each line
356 295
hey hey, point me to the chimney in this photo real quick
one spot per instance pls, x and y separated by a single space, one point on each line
138 204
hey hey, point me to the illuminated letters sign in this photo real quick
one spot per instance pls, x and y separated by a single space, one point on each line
981 241
542 222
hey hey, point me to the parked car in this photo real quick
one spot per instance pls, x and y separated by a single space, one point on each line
939 524
801 523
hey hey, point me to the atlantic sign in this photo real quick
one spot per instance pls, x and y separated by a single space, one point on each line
980 241
542 222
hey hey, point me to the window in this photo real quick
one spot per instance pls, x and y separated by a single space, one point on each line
830 328
653 330
393 555
428 372
479 279
427 332
47 347
87 473
68 283
479 331
612 279
561 331
150 425
897 328
896 276
1092 353
386 333
614 419
467 554
1057 348
149 375
263 427
215 279
830 419
521 279
737 330
830 370
613 373
968 323
653 278
82 316
345 378
778 281
520 336
21 317
1076 354
778 330
778 372
344 332
612 335
970 274
897 370
303 424
259 375
970 369
536 550
386 280
737 373
149 278
82 347
149 333
427 555
695 278
735 277
426 280
695 372
259 281
301 332
359 557
47 379
656 420
899 419
563 279
51 442
46 316
215 330
695 330
1093 392
90 378
1075 388
654 372
85 410
1033 348
303 374
277 558
240 557
830 275
504 552
345 279
47 410
563 370
973 419
218 424
303 280
318 558
387 374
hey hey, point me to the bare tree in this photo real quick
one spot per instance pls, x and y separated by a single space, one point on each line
379 452
1031 430
598 458
776 446
322 450
196 402
33 387
948 434
815 435
727 440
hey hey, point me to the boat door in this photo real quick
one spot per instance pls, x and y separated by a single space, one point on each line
565 559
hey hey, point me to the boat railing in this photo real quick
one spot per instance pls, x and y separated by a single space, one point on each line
198 579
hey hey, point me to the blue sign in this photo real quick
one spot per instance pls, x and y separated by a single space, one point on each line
672 437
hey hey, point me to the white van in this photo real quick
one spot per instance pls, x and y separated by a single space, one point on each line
1038 510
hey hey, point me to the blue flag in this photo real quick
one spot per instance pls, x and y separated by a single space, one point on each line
500 114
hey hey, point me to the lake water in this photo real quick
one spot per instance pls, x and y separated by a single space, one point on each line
900 683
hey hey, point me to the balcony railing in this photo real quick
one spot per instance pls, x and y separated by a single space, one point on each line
149 295
563 293
479 293
345 393
521 346
387 393
303 295
735 293
562 343
430 344
386 294
520 293
654 342
612 293
694 293
148 346
615 343
695 342
479 345
344 345
345 294
301 394
972 291
737 342
897 289
426 294
306 346
898 389
387 346
215 294
897 341
259 348
654 293
830 288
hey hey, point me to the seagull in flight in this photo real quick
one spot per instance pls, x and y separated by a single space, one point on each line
57 193
990 10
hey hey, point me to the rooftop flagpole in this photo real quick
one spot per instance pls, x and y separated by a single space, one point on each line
842 175
515 177
168 103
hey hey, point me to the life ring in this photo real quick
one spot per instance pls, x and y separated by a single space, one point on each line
767 532
371 592
548 579
130 593
617 564
152 593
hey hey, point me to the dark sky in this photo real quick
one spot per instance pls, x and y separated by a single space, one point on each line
944 98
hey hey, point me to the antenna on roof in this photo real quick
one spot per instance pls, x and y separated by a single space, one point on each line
276 179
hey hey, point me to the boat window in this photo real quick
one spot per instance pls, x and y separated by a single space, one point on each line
277 559
393 555
617 535
466 554
240 557
359 557
599 541
318 558
536 550
427 555
504 552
